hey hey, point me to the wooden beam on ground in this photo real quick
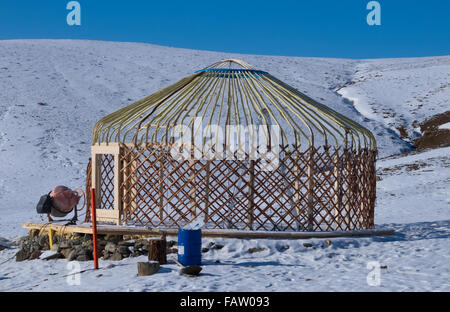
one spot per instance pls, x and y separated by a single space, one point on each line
128 230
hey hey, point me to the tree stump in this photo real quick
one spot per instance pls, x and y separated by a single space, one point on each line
147 268
157 250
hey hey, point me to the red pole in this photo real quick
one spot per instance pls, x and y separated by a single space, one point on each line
94 228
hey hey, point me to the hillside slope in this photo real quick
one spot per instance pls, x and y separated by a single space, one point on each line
53 91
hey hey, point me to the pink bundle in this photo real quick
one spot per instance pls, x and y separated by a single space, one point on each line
64 200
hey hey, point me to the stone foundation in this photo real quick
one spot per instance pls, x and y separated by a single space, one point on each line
79 247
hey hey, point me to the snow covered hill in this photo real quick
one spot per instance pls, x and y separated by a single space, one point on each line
400 93
53 91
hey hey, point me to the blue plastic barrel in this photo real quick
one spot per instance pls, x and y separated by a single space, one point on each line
190 247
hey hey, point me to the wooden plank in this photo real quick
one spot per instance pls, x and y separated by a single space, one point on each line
111 148
50 238
130 145
108 214
124 230
96 175
117 189
296 235
125 191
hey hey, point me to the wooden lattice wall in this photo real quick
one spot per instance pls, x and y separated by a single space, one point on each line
318 189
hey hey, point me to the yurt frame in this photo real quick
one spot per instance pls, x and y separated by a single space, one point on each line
331 187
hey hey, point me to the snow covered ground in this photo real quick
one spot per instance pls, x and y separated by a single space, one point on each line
400 92
53 91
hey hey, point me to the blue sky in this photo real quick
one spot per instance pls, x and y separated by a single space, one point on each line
322 28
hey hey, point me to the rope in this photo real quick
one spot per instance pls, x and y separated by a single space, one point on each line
82 193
